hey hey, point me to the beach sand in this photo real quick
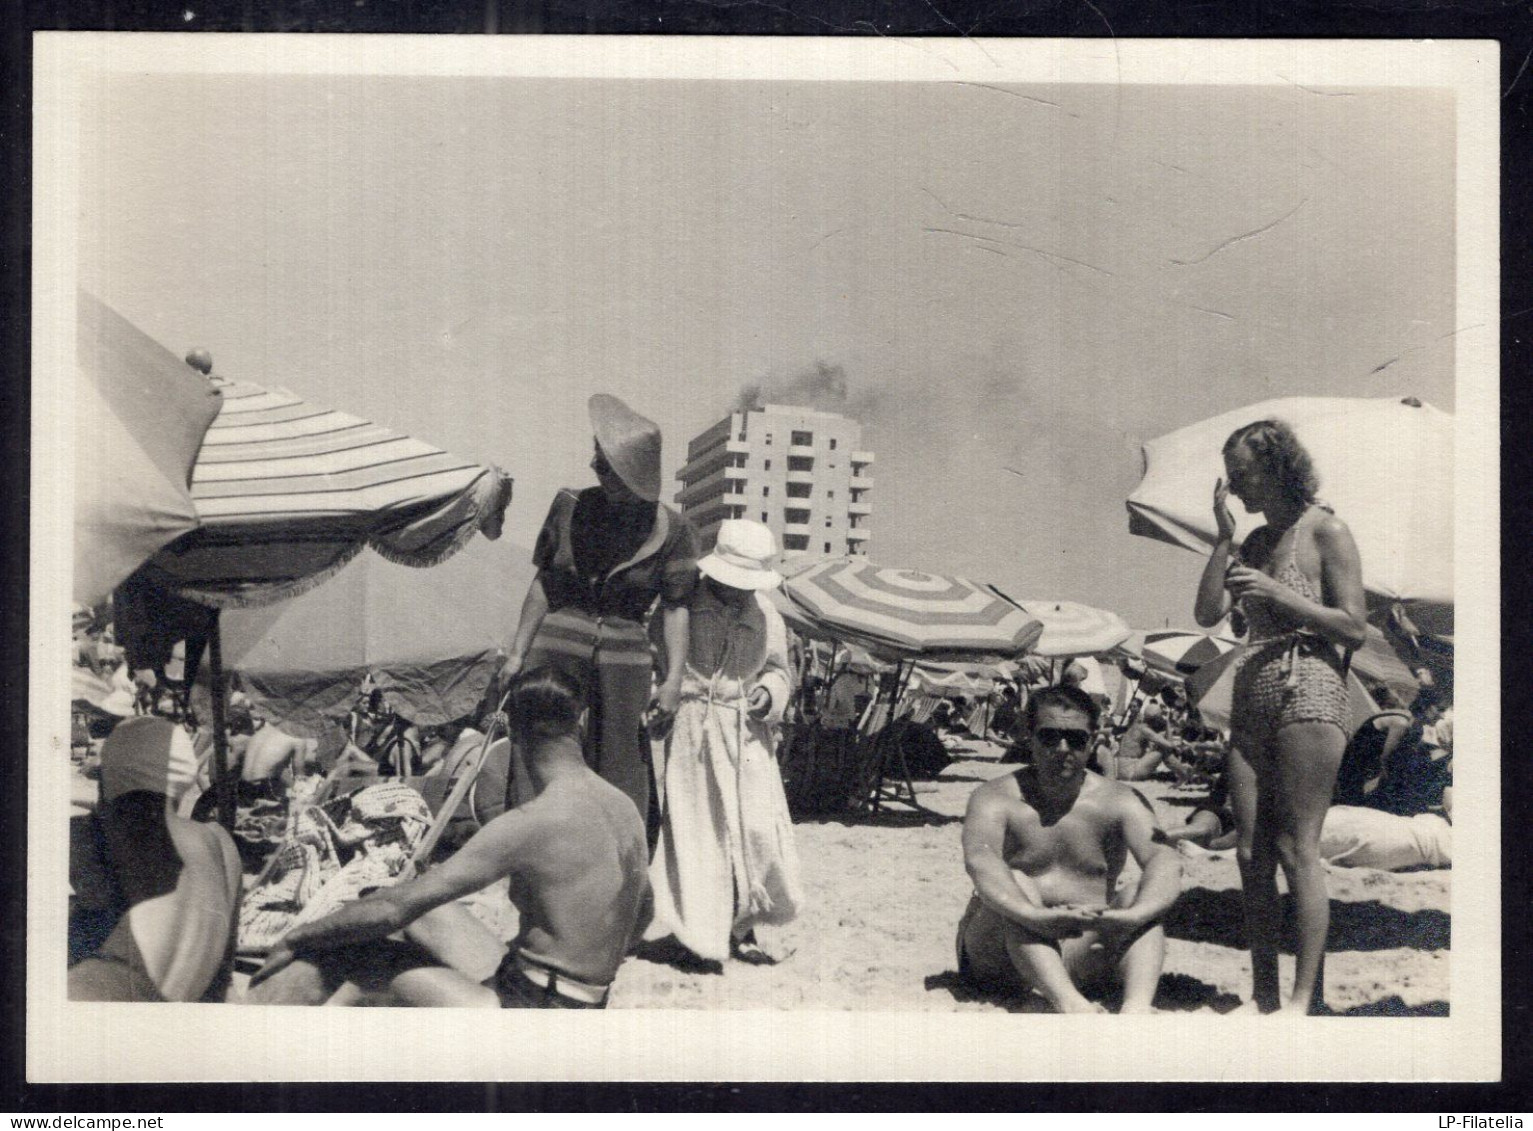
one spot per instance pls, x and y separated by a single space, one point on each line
884 894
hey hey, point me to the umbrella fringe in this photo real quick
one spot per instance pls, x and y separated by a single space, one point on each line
462 534
267 594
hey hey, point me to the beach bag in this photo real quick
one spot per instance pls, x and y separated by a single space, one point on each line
337 853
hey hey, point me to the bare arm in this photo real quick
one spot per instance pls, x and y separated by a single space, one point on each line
1342 617
675 625
1161 881
487 857
1213 602
984 835
534 609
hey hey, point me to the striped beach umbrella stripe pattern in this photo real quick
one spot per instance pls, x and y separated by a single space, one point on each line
1180 652
911 613
287 492
1074 629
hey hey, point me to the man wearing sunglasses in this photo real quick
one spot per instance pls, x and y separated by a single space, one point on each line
1045 847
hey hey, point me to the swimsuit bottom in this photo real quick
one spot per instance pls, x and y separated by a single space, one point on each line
1286 681
522 983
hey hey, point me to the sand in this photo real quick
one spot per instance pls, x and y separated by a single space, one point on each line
884 894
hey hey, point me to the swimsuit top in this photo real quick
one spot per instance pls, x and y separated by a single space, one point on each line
1265 622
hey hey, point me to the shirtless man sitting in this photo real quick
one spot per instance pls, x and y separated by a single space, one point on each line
164 889
1045 846
577 861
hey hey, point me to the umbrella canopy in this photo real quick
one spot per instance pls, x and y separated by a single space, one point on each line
1385 465
140 416
288 492
1073 629
1181 652
908 614
1212 690
431 638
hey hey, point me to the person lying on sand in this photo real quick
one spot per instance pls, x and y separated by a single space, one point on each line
1045 846
577 862
168 886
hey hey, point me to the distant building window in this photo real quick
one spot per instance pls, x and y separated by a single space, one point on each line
741 437
765 491
796 542
800 463
832 443
830 494
802 439
769 439
827 547
827 520
763 516
768 465
799 490
797 517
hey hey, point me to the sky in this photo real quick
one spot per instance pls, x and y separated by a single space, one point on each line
1013 287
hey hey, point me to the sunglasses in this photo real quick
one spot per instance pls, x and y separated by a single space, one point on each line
1053 736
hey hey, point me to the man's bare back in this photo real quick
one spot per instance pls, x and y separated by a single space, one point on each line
580 882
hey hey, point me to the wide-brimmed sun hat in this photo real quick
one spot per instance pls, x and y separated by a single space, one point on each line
740 556
630 442
147 754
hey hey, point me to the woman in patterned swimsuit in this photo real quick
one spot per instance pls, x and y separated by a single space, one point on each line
1297 584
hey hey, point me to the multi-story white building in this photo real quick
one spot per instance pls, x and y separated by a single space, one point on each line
799 471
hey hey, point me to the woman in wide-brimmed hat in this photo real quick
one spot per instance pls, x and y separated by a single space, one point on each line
606 556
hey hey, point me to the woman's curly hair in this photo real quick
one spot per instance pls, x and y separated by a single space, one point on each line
1280 454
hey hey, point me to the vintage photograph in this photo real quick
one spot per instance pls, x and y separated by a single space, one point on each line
849 549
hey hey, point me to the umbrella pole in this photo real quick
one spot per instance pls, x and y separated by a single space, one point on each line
223 782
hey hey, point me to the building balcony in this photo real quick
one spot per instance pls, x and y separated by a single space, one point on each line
801 450
860 458
860 482
861 507
800 477
711 485
797 528
711 460
858 534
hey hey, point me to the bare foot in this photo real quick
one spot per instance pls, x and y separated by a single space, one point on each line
1080 1006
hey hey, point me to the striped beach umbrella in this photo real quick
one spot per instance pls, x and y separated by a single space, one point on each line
907 613
1073 629
1181 652
287 492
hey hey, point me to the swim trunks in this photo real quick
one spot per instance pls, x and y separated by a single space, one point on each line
522 983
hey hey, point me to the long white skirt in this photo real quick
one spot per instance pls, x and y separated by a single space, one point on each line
726 861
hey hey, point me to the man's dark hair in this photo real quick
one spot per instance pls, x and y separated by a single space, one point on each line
1064 695
544 703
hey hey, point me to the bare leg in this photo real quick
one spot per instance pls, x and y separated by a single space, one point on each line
1308 755
1257 856
301 983
1201 828
437 987
1046 966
